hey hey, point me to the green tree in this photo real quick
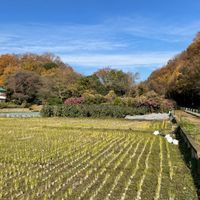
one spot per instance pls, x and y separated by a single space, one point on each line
116 80
91 83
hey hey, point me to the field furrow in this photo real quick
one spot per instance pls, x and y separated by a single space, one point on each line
138 197
157 194
129 181
114 188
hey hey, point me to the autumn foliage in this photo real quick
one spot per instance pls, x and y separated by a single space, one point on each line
180 78
45 79
32 78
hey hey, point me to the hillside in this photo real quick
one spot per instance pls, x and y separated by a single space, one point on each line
43 65
180 78
36 78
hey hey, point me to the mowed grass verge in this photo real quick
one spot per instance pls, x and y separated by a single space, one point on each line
61 158
190 125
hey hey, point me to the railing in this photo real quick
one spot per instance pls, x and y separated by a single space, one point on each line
192 111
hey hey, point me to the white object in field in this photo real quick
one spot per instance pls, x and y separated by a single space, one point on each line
167 136
169 139
156 132
175 141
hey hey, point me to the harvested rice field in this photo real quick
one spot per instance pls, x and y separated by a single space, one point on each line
91 159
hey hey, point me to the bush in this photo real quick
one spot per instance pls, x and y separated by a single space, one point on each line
111 96
74 101
154 102
167 105
118 101
54 101
129 101
94 99
95 111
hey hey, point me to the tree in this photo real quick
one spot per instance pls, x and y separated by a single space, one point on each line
180 78
9 64
60 85
91 83
24 87
116 80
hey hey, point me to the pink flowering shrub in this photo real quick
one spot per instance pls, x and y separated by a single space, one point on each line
74 101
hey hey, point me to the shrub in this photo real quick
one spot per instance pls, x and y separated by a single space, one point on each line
95 111
48 111
167 105
111 96
154 102
118 101
74 101
54 100
94 99
129 101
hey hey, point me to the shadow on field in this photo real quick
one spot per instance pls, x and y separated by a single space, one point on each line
189 160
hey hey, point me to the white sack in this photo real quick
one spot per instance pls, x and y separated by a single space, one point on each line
169 139
175 141
156 132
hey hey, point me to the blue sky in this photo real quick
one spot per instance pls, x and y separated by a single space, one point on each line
132 35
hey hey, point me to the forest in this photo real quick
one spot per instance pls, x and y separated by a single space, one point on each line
180 78
46 80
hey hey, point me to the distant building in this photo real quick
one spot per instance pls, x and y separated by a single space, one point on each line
2 94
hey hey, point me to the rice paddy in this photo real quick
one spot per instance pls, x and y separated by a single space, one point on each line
61 158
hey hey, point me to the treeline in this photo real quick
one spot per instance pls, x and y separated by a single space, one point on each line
180 78
46 80
36 79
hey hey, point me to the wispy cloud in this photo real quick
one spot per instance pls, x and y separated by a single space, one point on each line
114 42
167 31
127 61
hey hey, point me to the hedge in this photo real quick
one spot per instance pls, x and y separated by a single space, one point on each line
95 111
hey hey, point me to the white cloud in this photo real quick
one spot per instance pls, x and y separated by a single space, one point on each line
166 31
115 42
112 35
119 60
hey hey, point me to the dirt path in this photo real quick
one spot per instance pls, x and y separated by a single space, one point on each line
191 126
191 118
